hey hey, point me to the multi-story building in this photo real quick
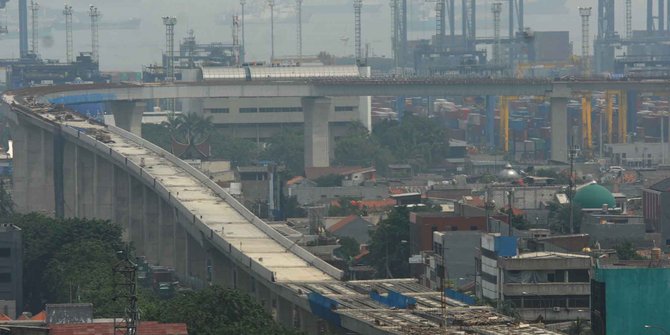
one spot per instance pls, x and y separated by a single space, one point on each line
259 119
656 209
11 270
550 286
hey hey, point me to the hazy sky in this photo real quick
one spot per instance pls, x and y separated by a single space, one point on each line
327 25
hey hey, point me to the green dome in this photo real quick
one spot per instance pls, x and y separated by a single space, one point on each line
594 196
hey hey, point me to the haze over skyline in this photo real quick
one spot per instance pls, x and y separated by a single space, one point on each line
327 26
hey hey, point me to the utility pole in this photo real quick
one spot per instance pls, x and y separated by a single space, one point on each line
95 15
510 201
34 42
585 13
68 34
126 290
358 5
571 194
298 12
271 4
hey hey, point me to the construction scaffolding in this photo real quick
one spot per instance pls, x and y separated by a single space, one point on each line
95 46
69 49
358 5
585 13
34 11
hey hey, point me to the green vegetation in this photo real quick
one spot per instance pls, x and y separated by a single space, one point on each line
389 248
347 206
626 251
559 218
6 203
349 248
416 140
330 180
71 260
216 310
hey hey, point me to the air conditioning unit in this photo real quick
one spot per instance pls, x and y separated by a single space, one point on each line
556 309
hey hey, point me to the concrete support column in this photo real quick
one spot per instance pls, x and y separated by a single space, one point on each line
309 323
264 297
137 215
150 224
284 314
128 115
166 247
317 133
559 129
86 184
180 248
70 177
222 269
197 258
33 170
104 176
490 120
122 201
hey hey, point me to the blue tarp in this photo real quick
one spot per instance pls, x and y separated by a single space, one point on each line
464 298
393 299
324 308
506 246
84 98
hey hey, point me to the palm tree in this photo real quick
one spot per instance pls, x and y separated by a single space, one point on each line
195 127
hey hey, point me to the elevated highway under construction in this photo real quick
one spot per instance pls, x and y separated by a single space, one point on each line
69 166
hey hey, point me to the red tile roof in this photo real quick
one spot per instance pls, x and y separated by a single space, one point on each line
4 317
316 172
41 316
342 223
145 328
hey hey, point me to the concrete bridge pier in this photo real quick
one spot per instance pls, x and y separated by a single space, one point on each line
317 133
559 129
104 188
136 224
33 182
86 184
128 114
166 235
122 201
151 225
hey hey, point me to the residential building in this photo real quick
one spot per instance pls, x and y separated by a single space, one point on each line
353 226
453 259
610 229
11 270
656 209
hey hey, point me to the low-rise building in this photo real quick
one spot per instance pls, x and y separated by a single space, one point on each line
11 270
549 286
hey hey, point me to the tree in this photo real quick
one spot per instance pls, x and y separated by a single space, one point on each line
346 206
626 251
559 178
579 327
217 311
190 128
157 134
559 217
238 151
68 260
287 148
6 202
357 147
348 249
389 247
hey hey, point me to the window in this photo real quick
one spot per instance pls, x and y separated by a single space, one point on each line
5 252
249 110
280 110
345 108
5 277
219 110
473 228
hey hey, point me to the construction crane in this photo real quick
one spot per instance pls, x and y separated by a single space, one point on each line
69 49
243 46
170 22
34 42
95 16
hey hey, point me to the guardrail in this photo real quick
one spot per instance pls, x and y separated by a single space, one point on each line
219 191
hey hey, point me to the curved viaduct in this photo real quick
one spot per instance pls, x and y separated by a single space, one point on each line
68 166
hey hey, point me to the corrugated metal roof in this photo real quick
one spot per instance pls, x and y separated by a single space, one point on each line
219 72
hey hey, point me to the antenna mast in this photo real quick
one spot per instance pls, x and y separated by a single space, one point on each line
126 268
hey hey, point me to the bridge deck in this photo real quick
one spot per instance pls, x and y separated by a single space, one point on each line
215 212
